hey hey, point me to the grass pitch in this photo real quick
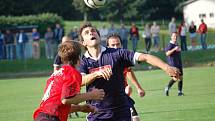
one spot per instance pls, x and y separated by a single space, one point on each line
20 97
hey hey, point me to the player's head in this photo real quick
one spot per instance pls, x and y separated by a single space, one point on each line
66 38
174 36
89 35
114 41
70 52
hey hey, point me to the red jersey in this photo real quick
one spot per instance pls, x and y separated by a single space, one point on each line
64 83
203 28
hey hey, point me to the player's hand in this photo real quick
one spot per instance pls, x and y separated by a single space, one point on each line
87 108
97 94
173 72
141 92
106 73
177 48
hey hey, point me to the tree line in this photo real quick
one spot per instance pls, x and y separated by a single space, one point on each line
77 10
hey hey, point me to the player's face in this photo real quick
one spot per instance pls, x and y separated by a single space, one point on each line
90 37
174 37
114 42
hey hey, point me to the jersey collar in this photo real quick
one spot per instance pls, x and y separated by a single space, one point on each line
87 55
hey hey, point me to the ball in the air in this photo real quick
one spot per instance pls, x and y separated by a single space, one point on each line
95 3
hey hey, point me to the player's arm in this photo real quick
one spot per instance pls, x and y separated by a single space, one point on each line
155 61
95 94
170 52
89 78
82 108
131 76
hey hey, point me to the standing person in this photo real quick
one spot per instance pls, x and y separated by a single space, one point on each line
21 39
74 33
103 68
103 33
182 30
62 92
155 30
36 43
124 33
58 35
172 26
112 29
134 35
9 44
192 31
173 53
2 53
203 34
49 39
114 41
147 37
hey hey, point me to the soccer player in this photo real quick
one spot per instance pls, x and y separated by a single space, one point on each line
173 53
62 92
103 68
57 61
114 41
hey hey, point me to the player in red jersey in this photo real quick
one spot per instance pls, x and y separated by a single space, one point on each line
114 41
62 92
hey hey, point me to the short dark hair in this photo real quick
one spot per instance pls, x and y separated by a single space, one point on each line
85 26
69 52
113 35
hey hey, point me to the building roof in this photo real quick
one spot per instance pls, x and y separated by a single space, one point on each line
181 5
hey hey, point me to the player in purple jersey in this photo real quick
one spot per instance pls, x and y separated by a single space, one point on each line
173 53
103 68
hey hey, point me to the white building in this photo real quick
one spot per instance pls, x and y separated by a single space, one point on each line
195 10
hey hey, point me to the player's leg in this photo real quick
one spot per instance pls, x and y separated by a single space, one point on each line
180 83
46 117
134 114
167 88
180 87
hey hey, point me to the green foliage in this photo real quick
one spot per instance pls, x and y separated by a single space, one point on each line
20 97
41 20
113 10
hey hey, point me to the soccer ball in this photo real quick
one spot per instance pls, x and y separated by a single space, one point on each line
95 3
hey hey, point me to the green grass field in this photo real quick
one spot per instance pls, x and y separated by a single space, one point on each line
20 97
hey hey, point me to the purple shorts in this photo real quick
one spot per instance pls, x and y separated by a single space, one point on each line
120 114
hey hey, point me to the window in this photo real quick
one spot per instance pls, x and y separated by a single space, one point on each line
202 15
211 15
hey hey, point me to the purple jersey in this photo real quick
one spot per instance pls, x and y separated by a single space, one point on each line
175 58
115 98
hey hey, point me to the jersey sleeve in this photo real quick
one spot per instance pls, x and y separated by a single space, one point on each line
128 57
169 47
71 85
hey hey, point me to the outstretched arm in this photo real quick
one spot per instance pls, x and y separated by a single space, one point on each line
155 61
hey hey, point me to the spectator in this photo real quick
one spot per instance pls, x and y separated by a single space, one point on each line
155 30
9 44
147 37
103 33
21 39
172 26
192 31
124 33
36 43
203 34
49 39
112 29
182 32
1 45
74 33
58 35
134 35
